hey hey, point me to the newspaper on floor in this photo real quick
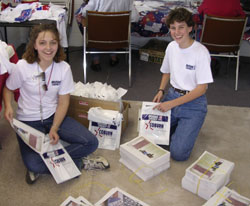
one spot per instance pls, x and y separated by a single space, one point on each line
117 196
80 201
207 175
154 124
56 158
144 157
114 197
227 197
106 126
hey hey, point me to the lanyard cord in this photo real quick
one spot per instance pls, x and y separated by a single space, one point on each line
40 96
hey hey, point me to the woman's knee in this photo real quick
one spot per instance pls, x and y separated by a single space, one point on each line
179 155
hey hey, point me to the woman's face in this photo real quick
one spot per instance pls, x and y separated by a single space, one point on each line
180 33
46 46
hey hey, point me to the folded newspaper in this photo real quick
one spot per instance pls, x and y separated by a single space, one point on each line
56 158
114 197
207 175
106 126
154 124
144 157
80 201
227 197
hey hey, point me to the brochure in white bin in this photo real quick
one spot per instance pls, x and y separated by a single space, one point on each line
154 124
56 158
106 126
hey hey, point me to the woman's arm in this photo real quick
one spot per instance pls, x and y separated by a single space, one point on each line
197 92
8 110
61 110
164 82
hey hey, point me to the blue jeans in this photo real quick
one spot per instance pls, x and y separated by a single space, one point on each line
186 122
81 143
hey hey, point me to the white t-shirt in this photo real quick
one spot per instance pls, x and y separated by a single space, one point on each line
187 67
26 77
112 6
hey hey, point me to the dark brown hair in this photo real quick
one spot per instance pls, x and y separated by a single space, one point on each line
31 54
180 15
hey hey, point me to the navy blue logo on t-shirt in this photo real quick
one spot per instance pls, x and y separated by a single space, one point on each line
55 83
190 67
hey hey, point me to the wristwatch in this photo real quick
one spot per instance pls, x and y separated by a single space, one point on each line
162 90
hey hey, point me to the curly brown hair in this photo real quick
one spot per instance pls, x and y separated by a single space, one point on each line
31 55
180 15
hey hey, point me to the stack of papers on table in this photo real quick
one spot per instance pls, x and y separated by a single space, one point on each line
144 157
114 197
207 175
226 196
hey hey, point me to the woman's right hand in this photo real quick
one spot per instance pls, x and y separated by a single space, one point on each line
158 96
8 114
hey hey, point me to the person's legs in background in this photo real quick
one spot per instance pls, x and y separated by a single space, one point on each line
95 64
215 66
114 60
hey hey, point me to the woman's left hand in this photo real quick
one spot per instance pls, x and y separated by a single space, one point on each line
164 106
54 137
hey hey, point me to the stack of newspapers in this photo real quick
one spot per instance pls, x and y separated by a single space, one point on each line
226 196
207 175
144 158
114 197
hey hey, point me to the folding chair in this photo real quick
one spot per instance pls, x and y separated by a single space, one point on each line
107 32
222 36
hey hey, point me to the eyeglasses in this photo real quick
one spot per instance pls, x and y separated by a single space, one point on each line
44 86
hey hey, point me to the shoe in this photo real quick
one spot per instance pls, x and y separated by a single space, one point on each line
113 62
96 67
95 163
31 177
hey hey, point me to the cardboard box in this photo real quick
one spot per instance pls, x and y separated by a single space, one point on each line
153 51
79 107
